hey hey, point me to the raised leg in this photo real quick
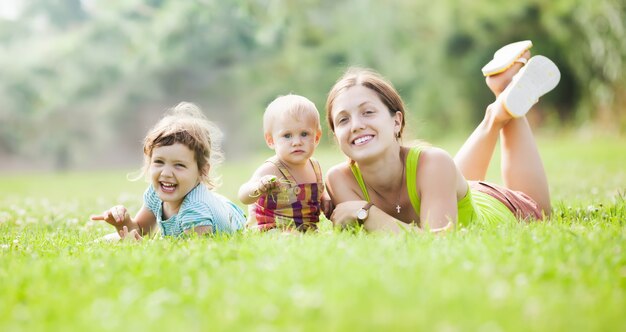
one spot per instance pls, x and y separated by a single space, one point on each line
475 155
522 167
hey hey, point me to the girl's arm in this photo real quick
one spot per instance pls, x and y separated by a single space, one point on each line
346 197
200 230
145 220
263 180
119 217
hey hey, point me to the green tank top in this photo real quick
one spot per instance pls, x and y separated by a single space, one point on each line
475 206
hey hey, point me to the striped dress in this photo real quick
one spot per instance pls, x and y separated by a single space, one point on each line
200 207
296 206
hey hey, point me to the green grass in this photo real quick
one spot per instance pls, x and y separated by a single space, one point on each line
565 274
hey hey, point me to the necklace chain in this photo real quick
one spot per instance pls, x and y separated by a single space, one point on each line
398 206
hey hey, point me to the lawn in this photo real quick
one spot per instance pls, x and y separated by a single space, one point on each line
568 273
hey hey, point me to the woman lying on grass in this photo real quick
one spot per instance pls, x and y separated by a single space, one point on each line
178 154
388 186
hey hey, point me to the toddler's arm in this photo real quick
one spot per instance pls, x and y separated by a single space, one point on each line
264 180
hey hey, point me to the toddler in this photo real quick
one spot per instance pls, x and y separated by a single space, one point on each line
287 190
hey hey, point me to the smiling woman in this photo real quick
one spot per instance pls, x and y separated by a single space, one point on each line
178 154
391 187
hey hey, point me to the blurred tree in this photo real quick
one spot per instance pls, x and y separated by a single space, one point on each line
56 13
85 79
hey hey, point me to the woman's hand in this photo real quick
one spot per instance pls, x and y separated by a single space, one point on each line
344 213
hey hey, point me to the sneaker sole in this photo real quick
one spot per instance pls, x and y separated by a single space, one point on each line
505 57
534 80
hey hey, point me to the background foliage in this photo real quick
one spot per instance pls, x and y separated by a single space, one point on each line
82 80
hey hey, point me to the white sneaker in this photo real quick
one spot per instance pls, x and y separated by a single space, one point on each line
506 56
534 80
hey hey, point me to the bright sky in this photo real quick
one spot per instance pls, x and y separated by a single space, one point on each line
9 9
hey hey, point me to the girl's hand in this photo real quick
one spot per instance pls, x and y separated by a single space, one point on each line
344 214
116 216
133 235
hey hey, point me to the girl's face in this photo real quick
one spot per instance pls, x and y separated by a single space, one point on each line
174 172
294 140
364 128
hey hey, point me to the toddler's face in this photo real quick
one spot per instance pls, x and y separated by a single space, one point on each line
174 172
294 140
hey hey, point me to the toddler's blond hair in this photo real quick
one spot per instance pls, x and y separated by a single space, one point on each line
291 105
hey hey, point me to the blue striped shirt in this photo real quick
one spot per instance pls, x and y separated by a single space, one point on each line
200 207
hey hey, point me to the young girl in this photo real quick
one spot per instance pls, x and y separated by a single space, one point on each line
287 190
391 187
178 154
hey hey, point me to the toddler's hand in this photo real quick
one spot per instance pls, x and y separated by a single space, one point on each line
117 216
327 207
268 183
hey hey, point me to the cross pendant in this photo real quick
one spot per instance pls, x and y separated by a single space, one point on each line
398 208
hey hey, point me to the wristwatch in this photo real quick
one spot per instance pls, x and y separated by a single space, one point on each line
363 213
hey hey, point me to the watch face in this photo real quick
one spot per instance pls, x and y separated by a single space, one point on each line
362 214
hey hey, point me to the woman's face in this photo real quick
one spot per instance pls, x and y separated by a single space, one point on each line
364 128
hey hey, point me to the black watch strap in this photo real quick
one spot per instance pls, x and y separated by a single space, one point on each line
365 208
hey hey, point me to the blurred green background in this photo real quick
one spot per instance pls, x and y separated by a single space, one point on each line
82 81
